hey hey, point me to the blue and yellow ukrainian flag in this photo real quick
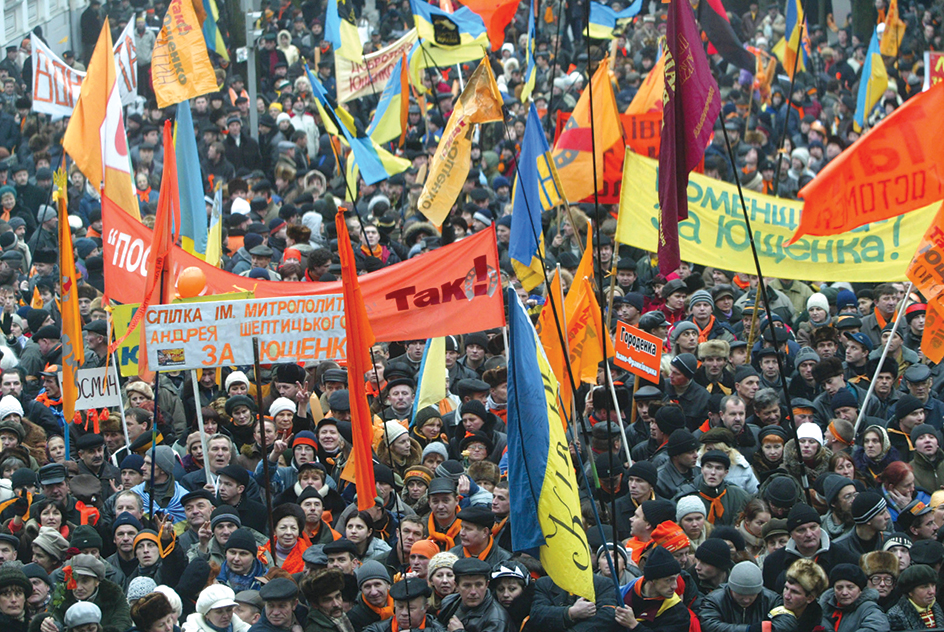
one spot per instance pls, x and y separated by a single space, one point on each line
341 30
603 19
211 31
389 120
792 50
373 163
214 250
872 83
448 30
541 482
425 55
431 378
530 74
537 189
193 215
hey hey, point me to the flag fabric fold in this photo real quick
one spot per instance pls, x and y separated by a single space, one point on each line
542 487
692 103
479 102
713 18
497 15
389 120
431 378
793 48
180 65
573 153
894 32
537 189
530 74
95 137
193 216
341 30
603 19
872 83
211 30
448 30
215 237
73 349
649 96
360 338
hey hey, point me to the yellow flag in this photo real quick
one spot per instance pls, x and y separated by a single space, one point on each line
180 65
894 31
480 102
73 351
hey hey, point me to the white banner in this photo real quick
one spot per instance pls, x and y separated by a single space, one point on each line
357 80
98 388
126 58
200 335
55 85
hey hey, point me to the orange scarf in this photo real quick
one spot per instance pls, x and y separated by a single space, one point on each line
6 215
496 529
395 627
385 612
881 319
484 553
449 537
376 251
904 434
703 333
293 562
716 511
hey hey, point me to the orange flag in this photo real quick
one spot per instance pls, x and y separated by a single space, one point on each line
360 338
497 15
180 64
649 95
95 137
547 327
73 349
573 152
894 31
932 341
927 267
894 168
168 201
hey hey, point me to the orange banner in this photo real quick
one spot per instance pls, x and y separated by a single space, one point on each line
453 290
180 65
932 342
892 169
638 352
927 267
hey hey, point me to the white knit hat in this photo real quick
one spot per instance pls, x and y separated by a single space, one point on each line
10 405
280 404
215 596
393 430
172 597
810 430
236 377
688 505
818 300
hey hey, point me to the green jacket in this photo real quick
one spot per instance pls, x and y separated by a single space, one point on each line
116 615
319 622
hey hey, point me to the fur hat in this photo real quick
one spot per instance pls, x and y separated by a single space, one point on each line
824 334
879 562
809 575
714 349
140 387
826 369
149 609
322 583
289 509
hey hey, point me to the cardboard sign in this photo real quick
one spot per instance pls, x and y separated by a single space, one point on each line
933 68
638 352
98 388
209 334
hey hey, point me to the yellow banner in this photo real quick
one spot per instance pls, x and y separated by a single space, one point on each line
480 102
180 65
715 234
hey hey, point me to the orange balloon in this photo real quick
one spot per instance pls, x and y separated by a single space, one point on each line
191 282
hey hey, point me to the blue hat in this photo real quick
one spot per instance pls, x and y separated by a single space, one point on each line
504 220
846 298
125 518
500 181
862 339
132 462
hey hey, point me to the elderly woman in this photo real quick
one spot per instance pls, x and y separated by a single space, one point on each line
215 607
289 521
917 608
85 581
881 569
474 417
849 605
875 453
49 549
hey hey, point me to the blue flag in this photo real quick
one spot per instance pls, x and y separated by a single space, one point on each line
193 214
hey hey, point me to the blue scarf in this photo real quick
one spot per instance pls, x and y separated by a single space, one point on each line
242 582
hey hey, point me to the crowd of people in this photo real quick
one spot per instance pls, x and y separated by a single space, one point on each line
759 485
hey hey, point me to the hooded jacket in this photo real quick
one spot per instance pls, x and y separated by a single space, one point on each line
864 614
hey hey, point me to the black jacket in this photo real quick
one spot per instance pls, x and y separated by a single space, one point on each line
360 615
720 613
550 605
777 563
488 616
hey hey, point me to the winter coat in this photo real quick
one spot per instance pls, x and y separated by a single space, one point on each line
777 563
903 616
865 614
488 616
928 474
720 613
196 623
820 463
551 602
116 614
431 625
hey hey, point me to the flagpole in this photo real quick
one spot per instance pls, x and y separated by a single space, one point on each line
786 121
262 445
203 443
121 400
881 362
762 292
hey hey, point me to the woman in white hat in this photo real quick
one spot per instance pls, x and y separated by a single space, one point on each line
215 607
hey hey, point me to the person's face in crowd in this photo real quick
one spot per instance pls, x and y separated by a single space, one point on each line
432 429
313 508
642 410
921 390
12 601
287 389
270 434
50 517
375 592
677 378
675 300
281 613
844 467
230 491
872 444
912 419
56 491
917 323
923 528
85 587
886 304
883 583
927 444
686 459
330 387
747 387
240 561
443 581
220 618
507 589
833 384
124 539
220 454
769 368
242 416
443 507
475 352
356 530
284 420
135 428
713 473
808 447
500 503
706 572
474 537
472 422
923 596
40 592
329 438
895 343
11 384
472 590
7 552
639 489
701 311
401 398
769 416
9 439
856 354
733 417
197 512
807 536
44 559
344 562
907 486
688 340
638 525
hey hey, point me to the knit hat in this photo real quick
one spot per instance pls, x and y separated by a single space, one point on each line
236 377
670 418
801 513
850 573
82 613
426 548
660 564
781 492
393 430
923 429
686 364
681 441
834 484
745 578
657 511
644 470
680 328
86 537
715 552
11 575
716 456
671 536
241 539
914 576
843 399
688 505
435 448
897 539
282 404
225 513
440 560
10 405
818 300
906 405
50 541
305 437
810 431
473 407
701 296
139 587
371 569
806 354
215 596
125 518
165 458
35 571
